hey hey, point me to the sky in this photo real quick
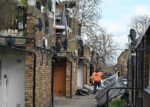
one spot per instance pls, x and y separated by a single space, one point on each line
116 16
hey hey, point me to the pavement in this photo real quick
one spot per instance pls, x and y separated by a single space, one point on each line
76 101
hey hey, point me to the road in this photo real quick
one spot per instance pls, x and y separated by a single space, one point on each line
76 101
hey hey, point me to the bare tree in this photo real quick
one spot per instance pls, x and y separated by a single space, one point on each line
103 44
89 13
139 23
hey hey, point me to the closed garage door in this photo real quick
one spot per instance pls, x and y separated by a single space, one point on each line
11 79
60 78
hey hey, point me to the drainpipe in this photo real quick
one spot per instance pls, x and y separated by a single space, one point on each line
34 70
52 80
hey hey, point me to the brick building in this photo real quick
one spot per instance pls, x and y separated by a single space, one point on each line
122 63
139 71
87 64
72 61
93 62
40 45
65 65
25 47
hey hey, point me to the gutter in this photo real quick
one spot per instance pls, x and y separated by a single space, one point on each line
52 79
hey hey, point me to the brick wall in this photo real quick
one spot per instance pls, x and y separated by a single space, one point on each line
71 88
88 73
72 46
60 6
146 61
146 72
146 101
86 54
43 64
93 59
74 77
72 40
68 71
122 62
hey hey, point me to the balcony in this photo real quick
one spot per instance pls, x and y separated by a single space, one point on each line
61 42
62 20
13 24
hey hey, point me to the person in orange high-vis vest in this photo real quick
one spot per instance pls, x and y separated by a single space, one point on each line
96 78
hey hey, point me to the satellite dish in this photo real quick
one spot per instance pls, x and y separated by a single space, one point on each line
132 34
45 43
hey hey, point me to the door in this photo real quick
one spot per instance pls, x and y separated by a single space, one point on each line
12 81
80 76
60 78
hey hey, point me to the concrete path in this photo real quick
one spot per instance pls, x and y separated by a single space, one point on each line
76 101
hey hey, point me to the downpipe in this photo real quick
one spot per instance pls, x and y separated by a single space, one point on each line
52 81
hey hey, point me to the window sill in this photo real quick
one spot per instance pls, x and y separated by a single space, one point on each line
147 89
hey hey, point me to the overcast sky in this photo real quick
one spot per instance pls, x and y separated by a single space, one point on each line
116 15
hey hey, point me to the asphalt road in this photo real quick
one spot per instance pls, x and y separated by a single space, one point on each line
76 101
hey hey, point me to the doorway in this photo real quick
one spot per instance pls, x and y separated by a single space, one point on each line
80 76
60 78
12 91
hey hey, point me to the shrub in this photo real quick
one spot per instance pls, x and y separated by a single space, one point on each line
117 102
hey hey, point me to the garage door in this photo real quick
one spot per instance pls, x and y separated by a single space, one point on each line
60 78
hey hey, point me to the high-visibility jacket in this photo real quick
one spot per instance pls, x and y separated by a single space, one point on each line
97 76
